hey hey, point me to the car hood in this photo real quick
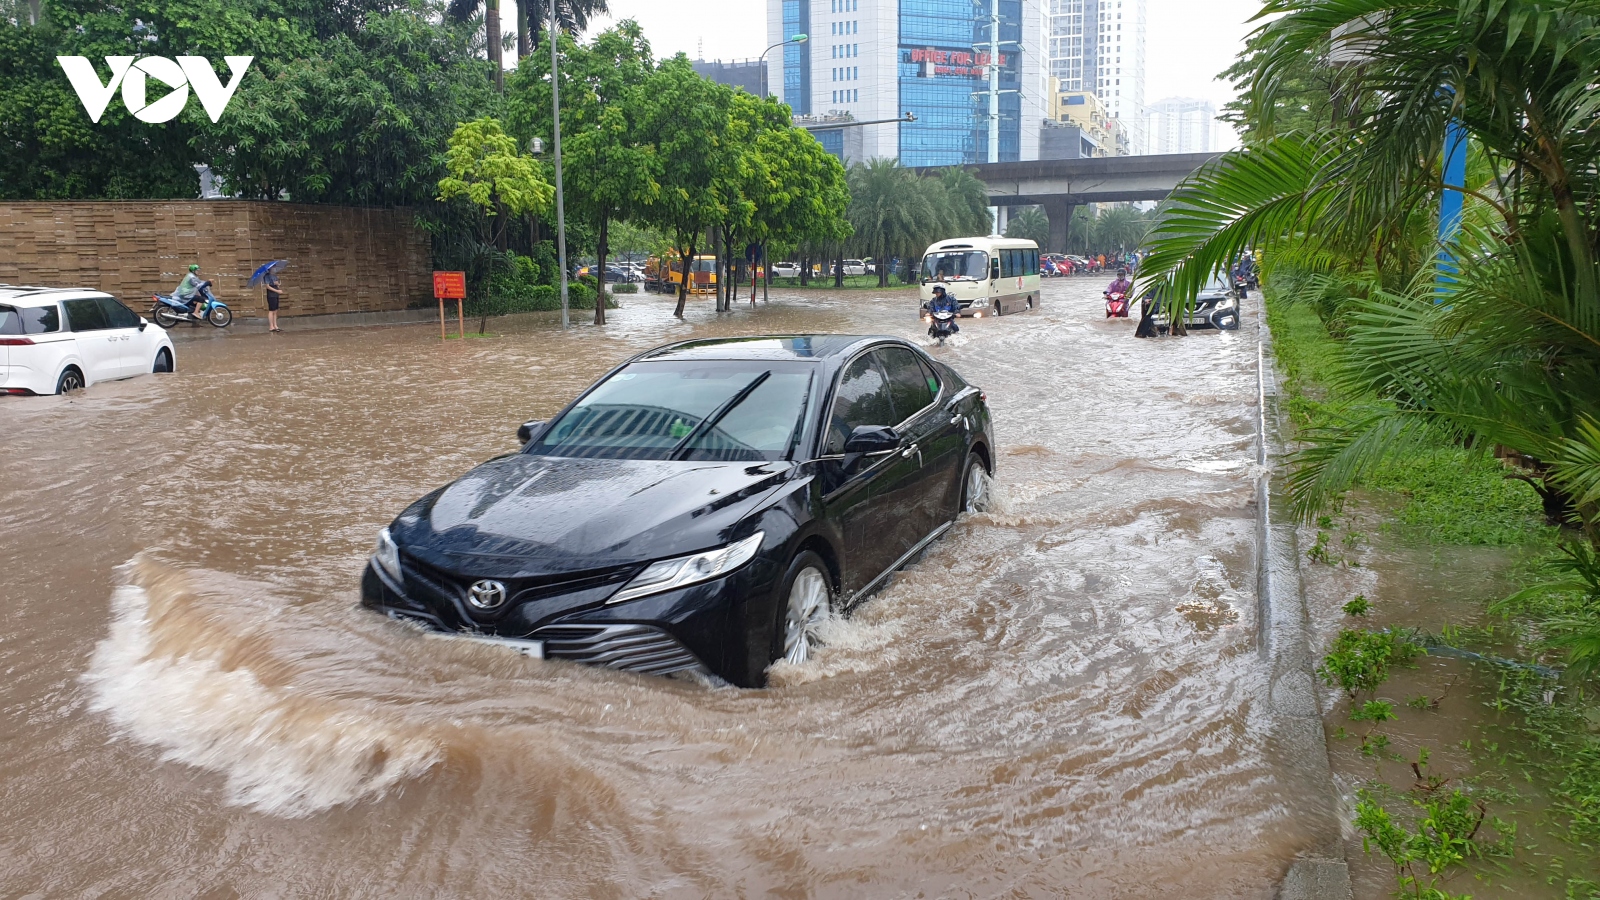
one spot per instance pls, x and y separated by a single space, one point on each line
526 516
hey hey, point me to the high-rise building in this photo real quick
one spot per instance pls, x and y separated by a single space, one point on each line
747 74
879 59
1181 125
1098 46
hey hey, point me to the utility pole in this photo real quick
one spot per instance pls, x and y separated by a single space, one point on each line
561 206
994 83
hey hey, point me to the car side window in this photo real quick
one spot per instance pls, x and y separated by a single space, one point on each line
862 399
86 315
10 322
117 315
908 385
40 319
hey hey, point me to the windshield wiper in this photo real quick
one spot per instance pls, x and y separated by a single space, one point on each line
717 415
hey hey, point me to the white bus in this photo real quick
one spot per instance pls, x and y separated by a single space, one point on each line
989 276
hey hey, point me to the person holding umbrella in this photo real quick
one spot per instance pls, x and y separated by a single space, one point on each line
268 274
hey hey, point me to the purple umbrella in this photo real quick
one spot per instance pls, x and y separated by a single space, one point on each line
262 272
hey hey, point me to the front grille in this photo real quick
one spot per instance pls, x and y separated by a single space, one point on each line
442 586
631 648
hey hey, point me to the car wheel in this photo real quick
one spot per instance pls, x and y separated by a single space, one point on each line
975 485
163 362
71 380
804 604
220 316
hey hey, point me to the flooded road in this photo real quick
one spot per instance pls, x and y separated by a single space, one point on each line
1063 698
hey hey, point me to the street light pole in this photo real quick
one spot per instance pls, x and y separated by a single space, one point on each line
561 206
761 60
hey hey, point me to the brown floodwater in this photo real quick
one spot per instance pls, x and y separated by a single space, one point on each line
1063 698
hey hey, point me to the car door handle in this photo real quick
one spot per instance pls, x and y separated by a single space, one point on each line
957 419
908 451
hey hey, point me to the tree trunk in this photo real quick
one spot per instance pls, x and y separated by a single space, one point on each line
600 252
535 27
766 269
683 284
838 270
524 49
491 30
883 269
805 270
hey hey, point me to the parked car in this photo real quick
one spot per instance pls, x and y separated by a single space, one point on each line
1215 306
855 267
55 340
701 508
786 270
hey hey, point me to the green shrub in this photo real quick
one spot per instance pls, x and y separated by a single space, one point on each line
626 287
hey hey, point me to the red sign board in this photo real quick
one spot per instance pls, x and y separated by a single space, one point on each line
450 285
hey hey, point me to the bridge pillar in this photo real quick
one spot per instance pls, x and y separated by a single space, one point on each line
1060 214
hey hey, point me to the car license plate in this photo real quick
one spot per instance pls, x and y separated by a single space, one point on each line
530 649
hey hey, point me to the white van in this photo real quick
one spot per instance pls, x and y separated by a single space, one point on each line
56 340
989 276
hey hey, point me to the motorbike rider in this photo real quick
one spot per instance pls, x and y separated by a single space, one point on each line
189 290
1122 285
943 302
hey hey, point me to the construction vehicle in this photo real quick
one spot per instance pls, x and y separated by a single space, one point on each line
664 278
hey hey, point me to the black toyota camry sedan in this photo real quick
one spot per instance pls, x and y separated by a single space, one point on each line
702 507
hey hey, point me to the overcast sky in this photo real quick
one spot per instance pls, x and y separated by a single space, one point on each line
1189 41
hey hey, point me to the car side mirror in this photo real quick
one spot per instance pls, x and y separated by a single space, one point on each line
143 324
867 440
527 430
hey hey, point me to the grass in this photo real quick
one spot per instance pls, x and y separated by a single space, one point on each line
1449 495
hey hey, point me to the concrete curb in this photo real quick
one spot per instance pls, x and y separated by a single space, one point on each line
1283 640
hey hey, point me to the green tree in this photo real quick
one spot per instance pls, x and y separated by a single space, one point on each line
685 118
484 168
1030 225
609 170
1504 348
891 210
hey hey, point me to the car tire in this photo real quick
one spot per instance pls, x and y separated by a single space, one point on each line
805 599
71 380
163 363
975 488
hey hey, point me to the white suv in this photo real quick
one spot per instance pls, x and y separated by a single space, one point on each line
54 340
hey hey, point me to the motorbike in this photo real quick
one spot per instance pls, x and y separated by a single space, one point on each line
943 323
1241 286
169 311
1117 305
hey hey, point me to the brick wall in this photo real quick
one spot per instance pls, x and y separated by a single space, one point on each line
341 259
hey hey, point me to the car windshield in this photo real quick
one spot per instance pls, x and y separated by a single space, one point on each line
956 265
720 410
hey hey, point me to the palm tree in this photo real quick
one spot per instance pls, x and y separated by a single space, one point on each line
1030 225
1497 344
889 209
573 17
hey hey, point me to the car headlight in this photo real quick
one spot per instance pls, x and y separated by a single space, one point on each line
386 555
1227 304
671 574
981 301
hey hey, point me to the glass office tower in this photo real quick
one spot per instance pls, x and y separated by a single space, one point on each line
876 60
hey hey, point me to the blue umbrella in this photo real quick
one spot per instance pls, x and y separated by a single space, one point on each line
262 272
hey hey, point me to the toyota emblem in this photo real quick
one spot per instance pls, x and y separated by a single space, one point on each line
487 595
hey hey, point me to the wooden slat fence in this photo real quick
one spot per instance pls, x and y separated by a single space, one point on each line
341 259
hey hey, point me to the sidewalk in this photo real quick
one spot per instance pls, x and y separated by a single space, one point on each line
256 325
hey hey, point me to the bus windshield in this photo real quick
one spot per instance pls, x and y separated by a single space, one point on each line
956 265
